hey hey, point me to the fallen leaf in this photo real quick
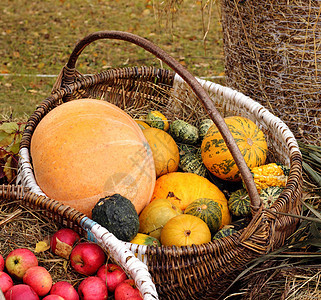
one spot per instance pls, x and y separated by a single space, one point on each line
33 91
42 246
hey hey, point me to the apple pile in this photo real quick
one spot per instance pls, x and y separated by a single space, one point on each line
22 278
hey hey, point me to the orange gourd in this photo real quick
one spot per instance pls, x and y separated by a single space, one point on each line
164 149
249 138
184 188
87 149
185 230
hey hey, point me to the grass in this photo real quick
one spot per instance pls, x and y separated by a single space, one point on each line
37 37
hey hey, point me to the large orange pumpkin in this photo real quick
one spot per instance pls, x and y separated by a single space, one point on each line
164 149
184 188
249 138
87 149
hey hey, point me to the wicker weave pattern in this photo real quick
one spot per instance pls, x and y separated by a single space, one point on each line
195 272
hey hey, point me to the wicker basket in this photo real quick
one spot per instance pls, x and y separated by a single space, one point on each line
195 272
272 54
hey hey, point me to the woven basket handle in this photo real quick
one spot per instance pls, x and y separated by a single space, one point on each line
69 77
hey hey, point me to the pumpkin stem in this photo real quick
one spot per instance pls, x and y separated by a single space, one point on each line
250 141
187 232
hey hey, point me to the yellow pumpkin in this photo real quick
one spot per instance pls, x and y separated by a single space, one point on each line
184 188
249 138
185 230
164 149
84 150
142 125
155 215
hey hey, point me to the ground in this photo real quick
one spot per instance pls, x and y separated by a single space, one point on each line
37 38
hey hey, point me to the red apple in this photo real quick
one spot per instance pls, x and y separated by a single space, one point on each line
62 242
39 279
86 258
92 288
19 261
65 290
21 292
1 263
112 275
53 297
127 290
5 282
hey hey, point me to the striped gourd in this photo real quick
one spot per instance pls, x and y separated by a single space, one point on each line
208 210
224 232
239 203
248 137
270 194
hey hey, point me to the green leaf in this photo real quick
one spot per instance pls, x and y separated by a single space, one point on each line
9 127
6 138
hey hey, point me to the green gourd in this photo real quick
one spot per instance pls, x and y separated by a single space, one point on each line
204 126
183 132
270 194
192 163
239 203
118 215
208 210
157 120
187 149
224 232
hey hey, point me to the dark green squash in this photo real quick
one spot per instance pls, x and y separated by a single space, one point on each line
118 215
208 210
183 132
239 203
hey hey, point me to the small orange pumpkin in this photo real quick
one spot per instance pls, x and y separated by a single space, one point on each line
185 230
184 188
84 150
164 149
